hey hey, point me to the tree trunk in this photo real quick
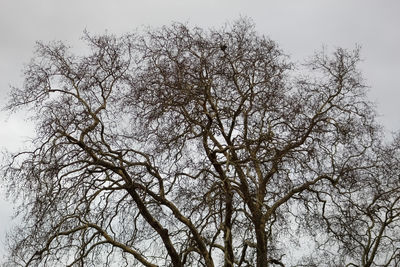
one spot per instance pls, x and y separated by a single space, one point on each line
262 251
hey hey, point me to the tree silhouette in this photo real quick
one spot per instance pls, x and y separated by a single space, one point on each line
166 148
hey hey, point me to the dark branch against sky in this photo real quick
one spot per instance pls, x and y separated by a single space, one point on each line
299 27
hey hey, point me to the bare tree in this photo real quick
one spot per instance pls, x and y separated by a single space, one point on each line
361 218
185 147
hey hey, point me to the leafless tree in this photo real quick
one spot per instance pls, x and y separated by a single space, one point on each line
185 147
361 218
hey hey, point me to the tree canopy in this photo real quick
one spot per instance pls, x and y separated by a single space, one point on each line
180 146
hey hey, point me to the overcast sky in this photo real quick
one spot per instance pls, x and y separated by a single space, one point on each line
300 27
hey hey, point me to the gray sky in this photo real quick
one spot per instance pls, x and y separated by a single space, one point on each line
301 27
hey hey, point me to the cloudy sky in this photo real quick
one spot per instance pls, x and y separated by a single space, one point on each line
301 27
